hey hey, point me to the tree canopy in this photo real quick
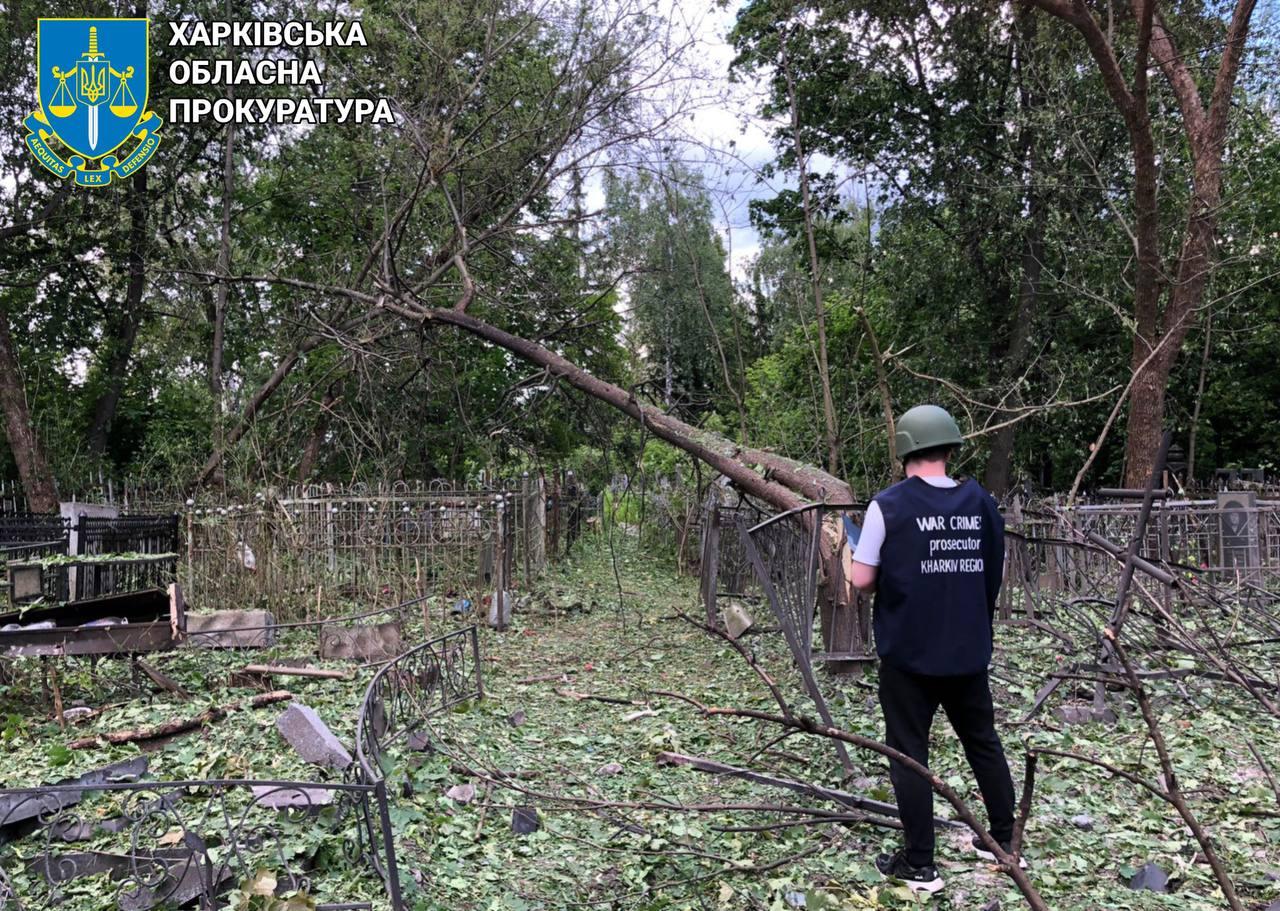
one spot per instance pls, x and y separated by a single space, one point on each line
1059 224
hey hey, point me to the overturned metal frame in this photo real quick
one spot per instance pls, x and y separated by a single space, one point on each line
143 534
190 841
724 567
368 547
25 528
784 551
401 699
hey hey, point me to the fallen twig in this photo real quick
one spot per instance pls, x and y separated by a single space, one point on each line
543 678
841 797
1271 779
162 680
578 697
267 670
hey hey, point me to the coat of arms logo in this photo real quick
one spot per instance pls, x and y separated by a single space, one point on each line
92 86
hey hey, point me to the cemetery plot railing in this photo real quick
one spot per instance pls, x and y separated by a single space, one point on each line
400 700
126 535
170 844
405 693
786 551
29 528
16 553
724 570
83 580
1229 539
298 552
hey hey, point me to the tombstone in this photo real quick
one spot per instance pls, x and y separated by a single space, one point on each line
525 820
26 583
231 629
72 510
1238 552
15 808
277 797
737 620
1149 878
361 642
500 609
311 738
462 793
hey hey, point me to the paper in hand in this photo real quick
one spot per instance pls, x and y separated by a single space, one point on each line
852 532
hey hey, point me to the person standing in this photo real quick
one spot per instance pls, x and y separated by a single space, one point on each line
932 550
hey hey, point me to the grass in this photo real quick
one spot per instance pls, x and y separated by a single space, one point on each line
605 625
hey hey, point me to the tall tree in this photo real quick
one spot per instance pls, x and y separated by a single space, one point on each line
661 237
1166 294
24 442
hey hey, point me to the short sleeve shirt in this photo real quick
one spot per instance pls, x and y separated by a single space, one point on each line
868 550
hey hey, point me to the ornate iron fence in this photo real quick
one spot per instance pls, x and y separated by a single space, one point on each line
1063 554
407 692
19 552
292 553
126 534
724 568
786 552
399 701
82 580
169 844
28 528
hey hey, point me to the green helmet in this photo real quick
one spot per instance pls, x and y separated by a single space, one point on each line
924 427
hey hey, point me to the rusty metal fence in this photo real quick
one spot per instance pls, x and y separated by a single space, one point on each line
1070 552
291 553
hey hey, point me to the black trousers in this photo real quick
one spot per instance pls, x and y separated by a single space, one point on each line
909 702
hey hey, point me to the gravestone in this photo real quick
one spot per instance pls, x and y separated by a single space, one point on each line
737 620
276 797
231 629
311 737
525 821
361 642
15 808
1149 878
499 609
462 793
1238 552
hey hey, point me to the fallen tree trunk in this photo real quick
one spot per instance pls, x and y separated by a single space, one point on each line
784 484
177 725
781 482
720 453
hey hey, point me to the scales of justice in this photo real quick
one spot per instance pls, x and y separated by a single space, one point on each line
96 81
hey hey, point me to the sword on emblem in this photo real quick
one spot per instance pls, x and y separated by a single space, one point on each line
93 84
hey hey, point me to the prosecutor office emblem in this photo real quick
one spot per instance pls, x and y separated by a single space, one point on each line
92 85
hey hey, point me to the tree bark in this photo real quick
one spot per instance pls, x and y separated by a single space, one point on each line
220 295
129 319
886 399
1195 412
213 464
716 451
997 475
25 444
311 452
815 277
785 484
1205 128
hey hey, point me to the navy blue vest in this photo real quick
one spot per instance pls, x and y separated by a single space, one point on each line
940 570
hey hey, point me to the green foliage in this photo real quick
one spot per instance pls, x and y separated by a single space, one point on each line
969 178
603 622
685 322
